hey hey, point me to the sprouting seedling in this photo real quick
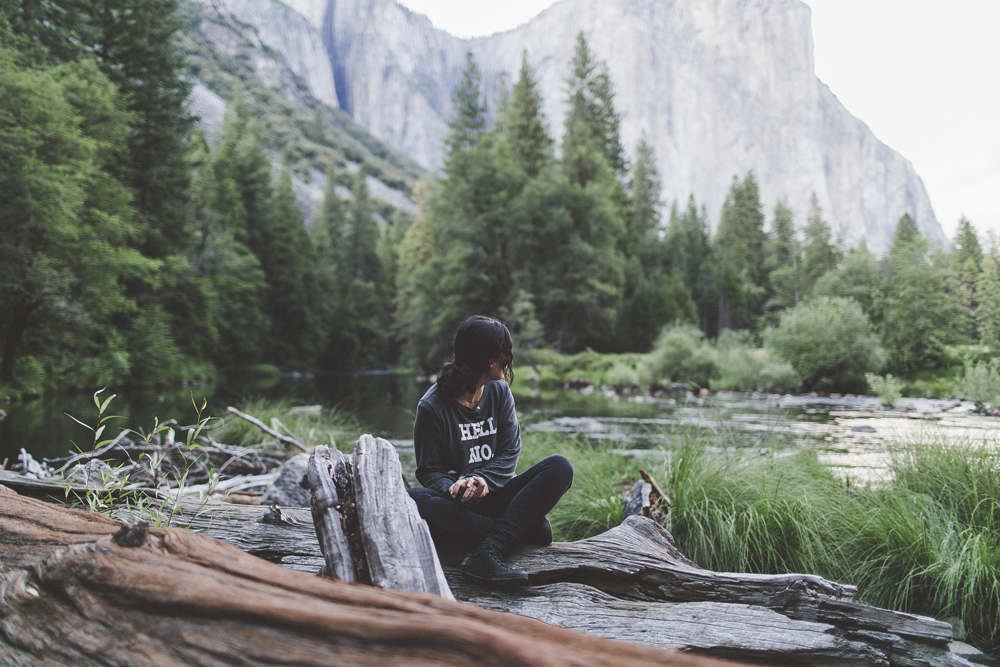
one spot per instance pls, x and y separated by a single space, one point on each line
101 420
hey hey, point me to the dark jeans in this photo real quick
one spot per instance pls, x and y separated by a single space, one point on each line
517 511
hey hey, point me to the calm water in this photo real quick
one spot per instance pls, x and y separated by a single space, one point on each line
848 433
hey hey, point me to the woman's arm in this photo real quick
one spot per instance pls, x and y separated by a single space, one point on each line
433 471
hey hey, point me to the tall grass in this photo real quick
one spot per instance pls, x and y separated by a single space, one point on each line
926 541
310 428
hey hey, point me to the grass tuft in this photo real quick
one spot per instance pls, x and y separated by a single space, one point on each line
927 541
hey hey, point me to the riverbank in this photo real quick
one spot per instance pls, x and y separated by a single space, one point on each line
926 540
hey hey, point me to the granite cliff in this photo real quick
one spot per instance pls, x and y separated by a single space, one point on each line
718 86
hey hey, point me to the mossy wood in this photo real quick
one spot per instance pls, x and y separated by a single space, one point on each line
77 588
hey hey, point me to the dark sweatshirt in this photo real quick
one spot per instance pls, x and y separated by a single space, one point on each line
453 441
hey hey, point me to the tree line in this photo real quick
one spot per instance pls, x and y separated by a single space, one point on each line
133 251
572 251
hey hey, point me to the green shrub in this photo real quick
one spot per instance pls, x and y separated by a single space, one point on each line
741 367
830 342
887 388
622 375
980 383
682 354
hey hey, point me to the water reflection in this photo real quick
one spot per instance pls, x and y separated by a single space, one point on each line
850 433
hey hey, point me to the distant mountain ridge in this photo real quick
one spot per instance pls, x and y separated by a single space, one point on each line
718 86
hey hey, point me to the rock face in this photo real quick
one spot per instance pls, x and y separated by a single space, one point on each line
719 87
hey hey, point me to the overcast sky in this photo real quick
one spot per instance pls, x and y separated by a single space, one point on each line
923 74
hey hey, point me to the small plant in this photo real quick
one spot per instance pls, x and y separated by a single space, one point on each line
887 388
150 488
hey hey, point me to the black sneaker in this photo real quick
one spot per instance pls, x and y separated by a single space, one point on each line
485 566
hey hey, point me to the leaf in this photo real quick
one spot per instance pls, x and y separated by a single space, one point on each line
108 400
104 419
89 428
98 432
97 402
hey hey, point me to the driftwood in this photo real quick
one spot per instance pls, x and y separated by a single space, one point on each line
630 583
633 573
77 588
270 431
369 529
619 585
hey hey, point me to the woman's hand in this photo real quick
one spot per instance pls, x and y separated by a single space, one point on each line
469 489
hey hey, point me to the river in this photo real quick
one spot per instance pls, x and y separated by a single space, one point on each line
849 433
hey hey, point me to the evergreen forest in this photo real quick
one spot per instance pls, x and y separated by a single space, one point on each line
135 251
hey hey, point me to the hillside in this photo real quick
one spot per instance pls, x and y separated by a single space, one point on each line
303 128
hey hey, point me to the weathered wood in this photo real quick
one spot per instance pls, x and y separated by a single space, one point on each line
398 545
77 589
325 467
723 630
638 560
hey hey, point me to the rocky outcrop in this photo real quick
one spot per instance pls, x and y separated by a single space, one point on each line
719 87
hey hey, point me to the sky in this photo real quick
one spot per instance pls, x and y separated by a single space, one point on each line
923 74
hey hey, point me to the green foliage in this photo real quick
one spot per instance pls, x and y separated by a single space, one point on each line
859 277
524 123
67 223
469 119
739 249
688 255
887 388
980 383
290 264
921 310
591 144
829 342
682 354
783 266
743 367
819 254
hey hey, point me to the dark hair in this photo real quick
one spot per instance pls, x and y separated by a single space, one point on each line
479 342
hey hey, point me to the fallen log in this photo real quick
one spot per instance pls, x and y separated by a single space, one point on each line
628 583
79 588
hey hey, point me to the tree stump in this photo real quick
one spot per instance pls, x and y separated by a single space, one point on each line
77 588
368 527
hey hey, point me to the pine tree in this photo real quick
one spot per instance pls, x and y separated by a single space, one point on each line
819 254
920 314
689 256
783 262
739 246
290 264
469 109
368 304
645 190
66 221
591 142
134 41
987 296
966 246
524 123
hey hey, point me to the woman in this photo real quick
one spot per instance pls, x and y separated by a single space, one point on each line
467 441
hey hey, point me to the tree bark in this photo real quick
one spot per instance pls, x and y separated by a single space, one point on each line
77 588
